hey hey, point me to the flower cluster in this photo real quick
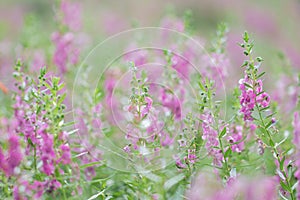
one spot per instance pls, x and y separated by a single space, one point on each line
10 162
296 126
252 95
46 146
236 139
67 44
154 123
210 135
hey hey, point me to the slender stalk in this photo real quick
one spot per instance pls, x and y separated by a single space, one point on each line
276 154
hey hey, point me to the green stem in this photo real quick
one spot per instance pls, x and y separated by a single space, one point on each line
225 161
276 153
34 159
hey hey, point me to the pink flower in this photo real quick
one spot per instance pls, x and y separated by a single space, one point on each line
14 154
137 56
296 125
127 149
237 145
148 106
38 187
216 68
263 99
66 50
71 14
3 163
179 163
211 138
173 23
171 102
181 65
167 140
39 60
251 97
52 185
48 154
247 101
66 154
191 157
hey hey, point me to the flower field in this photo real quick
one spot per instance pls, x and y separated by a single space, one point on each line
149 100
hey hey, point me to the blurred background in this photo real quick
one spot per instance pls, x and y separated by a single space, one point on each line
274 25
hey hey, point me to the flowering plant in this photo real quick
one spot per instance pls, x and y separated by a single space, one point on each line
150 113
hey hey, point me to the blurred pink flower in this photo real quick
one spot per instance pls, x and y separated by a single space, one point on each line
38 61
71 14
65 154
66 50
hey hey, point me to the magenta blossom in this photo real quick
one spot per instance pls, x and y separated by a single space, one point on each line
250 97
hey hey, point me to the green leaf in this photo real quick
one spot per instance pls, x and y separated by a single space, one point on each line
263 109
246 37
62 98
201 86
97 195
90 164
152 177
259 59
280 174
248 86
271 143
269 124
284 186
223 133
260 75
30 142
228 153
245 63
282 163
173 181
271 115
262 130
